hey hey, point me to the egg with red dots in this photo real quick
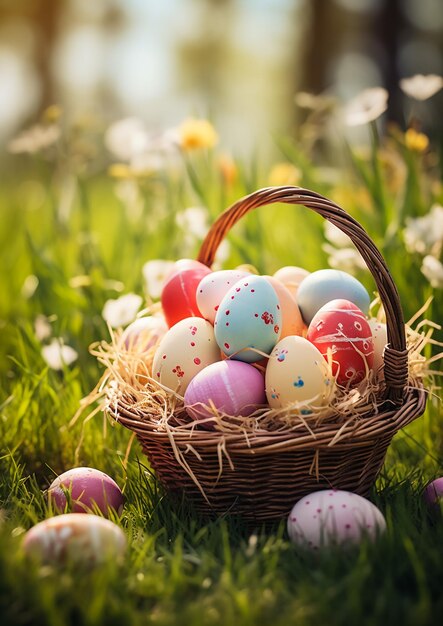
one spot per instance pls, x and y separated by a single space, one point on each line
333 517
212 289
186 348
341 332
228 387
297 374
248 321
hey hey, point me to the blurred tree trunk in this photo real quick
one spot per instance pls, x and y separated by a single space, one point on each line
46 14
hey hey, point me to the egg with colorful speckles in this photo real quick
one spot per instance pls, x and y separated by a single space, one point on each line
248 320
185 350
332 517
297 374
340 330
212 289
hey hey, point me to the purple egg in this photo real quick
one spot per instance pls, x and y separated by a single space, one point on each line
232 387
85 489
433 492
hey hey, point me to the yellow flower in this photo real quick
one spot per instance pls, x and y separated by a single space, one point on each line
284 174
416 142
52 113
120 170
195 133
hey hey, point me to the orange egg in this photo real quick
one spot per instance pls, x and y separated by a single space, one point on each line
292 322
291 276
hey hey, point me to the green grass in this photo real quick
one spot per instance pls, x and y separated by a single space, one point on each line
180 568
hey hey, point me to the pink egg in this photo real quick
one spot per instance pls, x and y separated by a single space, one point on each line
232 387
331 517
83 490
341 327
433 493
212 289
144 333
178 296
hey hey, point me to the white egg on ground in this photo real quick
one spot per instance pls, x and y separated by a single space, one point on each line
333 517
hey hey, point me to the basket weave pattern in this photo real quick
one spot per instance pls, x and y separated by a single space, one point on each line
261 476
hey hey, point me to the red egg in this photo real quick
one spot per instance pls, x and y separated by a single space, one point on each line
178 296
342 327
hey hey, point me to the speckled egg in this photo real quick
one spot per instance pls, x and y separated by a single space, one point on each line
291 276
144 333
328 517
212 289
249 316
298 373
380 339
231 387
325 285
75 538
178 295
185 350
85 489
342 329
292 322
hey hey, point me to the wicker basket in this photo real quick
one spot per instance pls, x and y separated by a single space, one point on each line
261 477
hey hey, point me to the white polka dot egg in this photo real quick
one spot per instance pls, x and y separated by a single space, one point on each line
332 517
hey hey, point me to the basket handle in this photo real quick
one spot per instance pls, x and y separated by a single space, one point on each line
395 355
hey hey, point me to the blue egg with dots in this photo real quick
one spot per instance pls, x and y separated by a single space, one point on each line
322 286
248 321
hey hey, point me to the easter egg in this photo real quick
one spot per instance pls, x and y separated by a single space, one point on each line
291 276
248 319
231 387
187 348
380 339
292 322
144 333
433 493
298 373
178 295
324 285
84 490
340 327
75 538
212 289
329 517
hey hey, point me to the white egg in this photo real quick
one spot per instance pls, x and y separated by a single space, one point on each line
185 350
212 289
298 373
329 517
291 276
380 338
144 333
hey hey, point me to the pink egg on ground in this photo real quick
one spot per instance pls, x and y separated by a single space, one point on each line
144 333
329 517
433 493
212 289
178 296
231 387
84 490
340 328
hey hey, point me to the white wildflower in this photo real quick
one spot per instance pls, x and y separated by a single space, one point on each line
336 236
122 311
29 286
193 221
57 354
42 327
35 139
345 259
126 138
432 268
422 87
366 107
425 234
155 273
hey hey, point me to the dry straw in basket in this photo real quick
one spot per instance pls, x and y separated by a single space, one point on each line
259 466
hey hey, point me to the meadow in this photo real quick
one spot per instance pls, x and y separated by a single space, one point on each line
77 230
